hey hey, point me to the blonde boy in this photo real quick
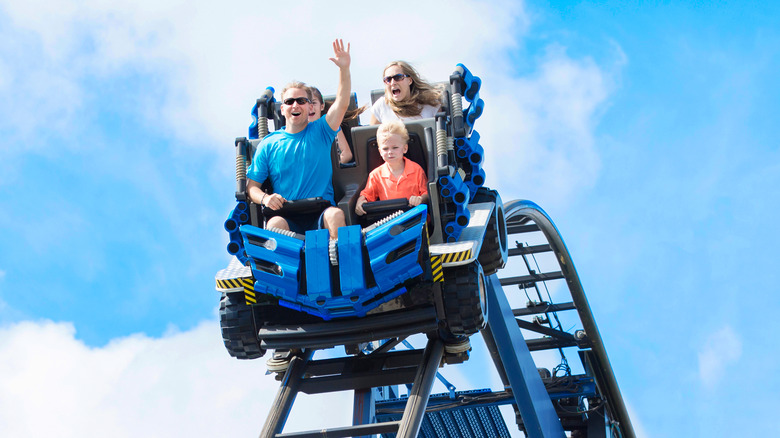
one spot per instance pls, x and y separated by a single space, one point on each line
398 177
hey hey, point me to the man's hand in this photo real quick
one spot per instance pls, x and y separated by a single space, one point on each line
359 206
335 114
342 58
414 201
274 201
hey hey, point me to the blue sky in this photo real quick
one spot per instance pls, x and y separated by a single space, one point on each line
645 130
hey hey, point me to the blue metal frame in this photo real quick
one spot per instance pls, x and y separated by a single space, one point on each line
280 262
531 397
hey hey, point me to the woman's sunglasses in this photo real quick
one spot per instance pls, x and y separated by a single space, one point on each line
397 78
300 100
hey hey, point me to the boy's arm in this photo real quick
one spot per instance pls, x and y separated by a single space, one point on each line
359 205
335 114
422 186
368 191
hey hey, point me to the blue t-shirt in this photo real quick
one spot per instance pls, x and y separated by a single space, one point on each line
299 165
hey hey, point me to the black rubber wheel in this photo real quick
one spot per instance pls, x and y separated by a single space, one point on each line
492 255
238 327
465 299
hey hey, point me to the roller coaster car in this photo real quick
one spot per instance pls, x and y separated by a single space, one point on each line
414 270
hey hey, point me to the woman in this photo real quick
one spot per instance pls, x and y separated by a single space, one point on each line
319 108
407 96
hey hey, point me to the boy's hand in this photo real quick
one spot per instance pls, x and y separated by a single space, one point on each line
359 206
414 201
342 58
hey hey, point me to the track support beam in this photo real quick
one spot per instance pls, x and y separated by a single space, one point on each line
531 397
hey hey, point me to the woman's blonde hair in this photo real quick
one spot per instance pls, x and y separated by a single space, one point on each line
391 127
420 93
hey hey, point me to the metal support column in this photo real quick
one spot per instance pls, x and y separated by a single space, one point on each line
363 407
421 390
531 397
285 398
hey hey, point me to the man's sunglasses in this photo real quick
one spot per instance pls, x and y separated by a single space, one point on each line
300 100
397 78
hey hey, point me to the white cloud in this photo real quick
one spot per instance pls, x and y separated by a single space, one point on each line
183 384
546 121
722 349
207 62
636 421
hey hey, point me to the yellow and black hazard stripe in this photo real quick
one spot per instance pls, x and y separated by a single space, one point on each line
245 283
231 283
249 291
436 269
456 256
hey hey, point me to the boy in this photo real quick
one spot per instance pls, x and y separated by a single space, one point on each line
398 177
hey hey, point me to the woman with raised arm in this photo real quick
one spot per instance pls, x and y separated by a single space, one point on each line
407 96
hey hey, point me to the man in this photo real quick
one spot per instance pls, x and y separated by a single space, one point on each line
297 159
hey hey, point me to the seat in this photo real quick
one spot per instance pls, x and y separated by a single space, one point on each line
422 150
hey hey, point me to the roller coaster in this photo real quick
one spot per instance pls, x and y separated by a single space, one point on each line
436 271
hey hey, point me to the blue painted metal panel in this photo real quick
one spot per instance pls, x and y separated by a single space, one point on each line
394 248
317 265
472 84
454 421
275 261
470 155
351 269
531 397
454 190
239 216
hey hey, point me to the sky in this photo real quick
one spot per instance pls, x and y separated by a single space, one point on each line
643 129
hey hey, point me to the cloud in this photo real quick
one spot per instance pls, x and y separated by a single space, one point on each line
201 67
720 350
211 60
636 421
547 121
183 384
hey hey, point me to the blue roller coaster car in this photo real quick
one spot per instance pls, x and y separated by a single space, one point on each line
395 272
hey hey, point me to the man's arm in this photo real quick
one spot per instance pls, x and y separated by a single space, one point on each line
258 196
335 114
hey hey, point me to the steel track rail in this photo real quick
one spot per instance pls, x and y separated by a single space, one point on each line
519 214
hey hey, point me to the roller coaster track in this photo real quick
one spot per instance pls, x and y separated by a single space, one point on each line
586 401
524 219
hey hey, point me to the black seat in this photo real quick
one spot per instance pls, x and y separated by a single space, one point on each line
416 152
368 158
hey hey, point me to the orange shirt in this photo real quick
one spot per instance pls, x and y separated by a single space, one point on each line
383 185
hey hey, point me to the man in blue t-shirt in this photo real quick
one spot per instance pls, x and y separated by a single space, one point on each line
297 159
